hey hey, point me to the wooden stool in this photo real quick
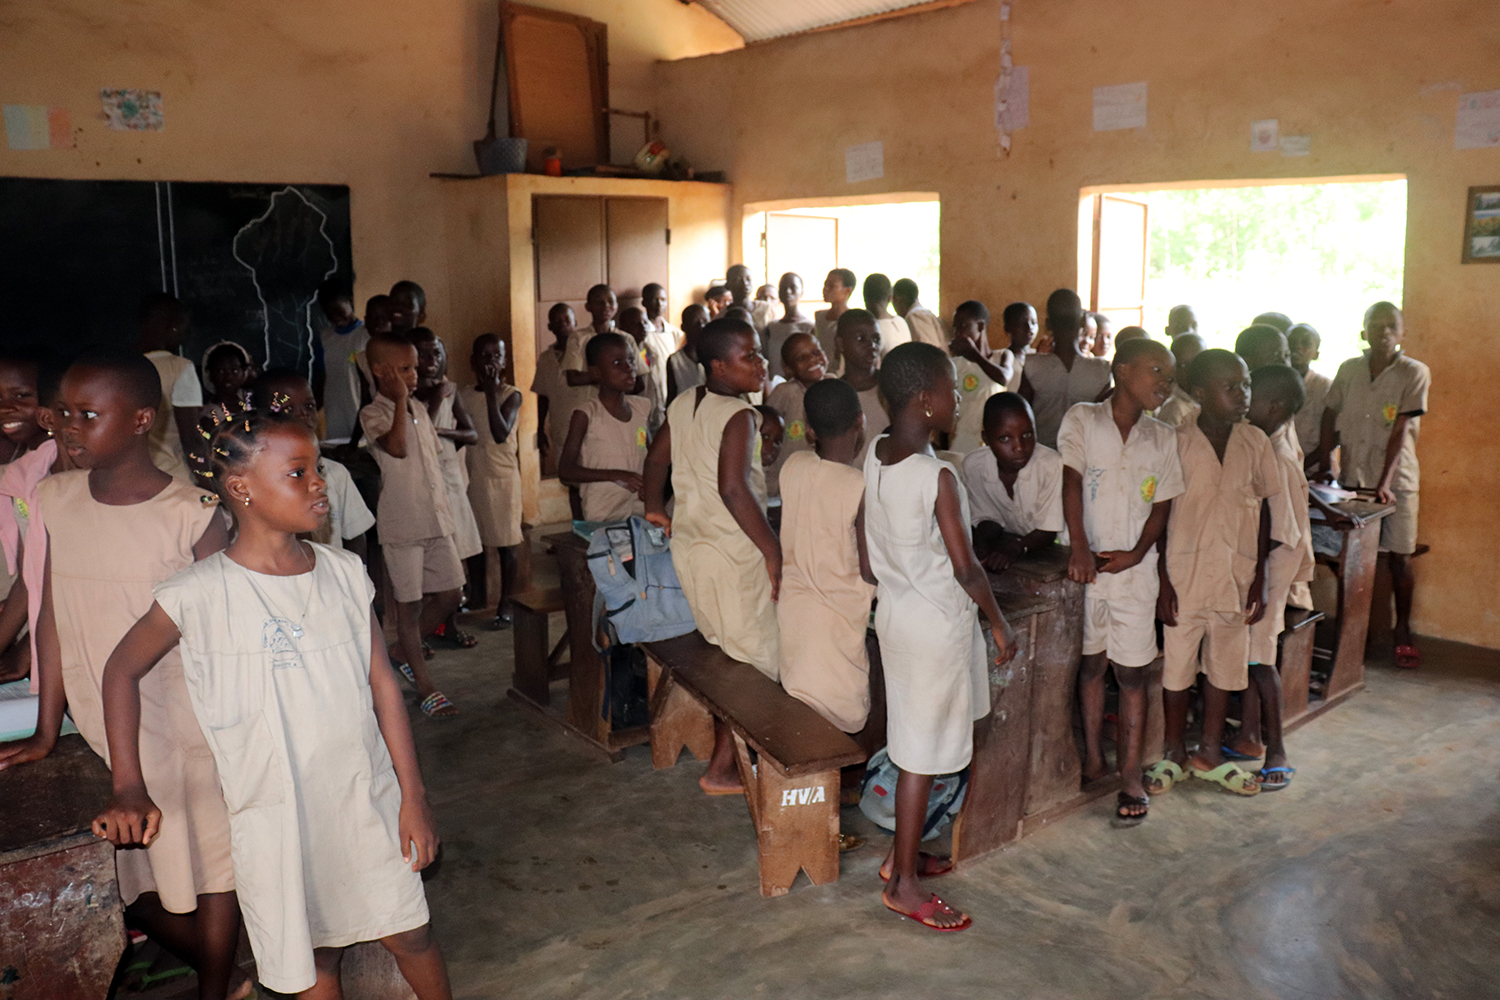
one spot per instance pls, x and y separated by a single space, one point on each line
536 667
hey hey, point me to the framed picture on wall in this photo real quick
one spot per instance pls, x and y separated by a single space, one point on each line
1482 226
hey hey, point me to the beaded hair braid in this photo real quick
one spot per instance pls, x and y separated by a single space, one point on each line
234 441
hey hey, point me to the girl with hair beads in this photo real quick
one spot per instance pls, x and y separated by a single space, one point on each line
227 373
936 681
289 678
114 528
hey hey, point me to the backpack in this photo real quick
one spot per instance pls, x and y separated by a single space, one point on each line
878 802
639 595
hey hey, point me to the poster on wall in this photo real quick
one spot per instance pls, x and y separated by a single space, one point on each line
1477 125
1482 226
1120 106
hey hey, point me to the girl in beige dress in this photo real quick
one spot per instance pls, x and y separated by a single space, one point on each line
495 463
282 659
608 436
727 558
115 528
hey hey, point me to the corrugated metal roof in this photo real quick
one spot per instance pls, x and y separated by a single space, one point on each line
758 20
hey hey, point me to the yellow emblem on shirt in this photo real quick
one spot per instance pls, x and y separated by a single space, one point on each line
797 431
640 437
1148 489
21 509
1388 411
971 382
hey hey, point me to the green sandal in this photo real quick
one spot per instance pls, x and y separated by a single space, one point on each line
1161 776
1230 777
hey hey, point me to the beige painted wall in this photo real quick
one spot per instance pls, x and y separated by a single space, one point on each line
1374 83
375 94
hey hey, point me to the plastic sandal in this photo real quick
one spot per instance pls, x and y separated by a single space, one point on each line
924 914
1124 800
1161 776
1276 786
1230 777
1408 657
849 842
405 670
1233 754
435 703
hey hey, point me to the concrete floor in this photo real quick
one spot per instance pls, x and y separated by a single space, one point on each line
1376 874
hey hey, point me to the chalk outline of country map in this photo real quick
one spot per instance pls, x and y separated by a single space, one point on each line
304 306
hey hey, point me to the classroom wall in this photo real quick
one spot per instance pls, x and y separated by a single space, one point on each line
1374 83
375 94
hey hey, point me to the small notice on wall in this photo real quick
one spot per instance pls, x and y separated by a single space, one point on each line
1263 136
36 126
132 110
1478 122
1296 145
1120 106
865 162
1013 103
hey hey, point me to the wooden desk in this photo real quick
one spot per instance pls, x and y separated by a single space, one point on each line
584 715
62 928
1355 569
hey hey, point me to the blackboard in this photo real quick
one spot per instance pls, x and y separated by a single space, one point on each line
77 257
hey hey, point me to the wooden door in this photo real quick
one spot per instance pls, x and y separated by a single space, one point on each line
636 245
807 245
1120 234
568 234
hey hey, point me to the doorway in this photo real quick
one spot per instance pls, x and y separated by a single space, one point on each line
1319 250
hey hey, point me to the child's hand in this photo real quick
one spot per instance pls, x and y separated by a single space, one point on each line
389 382
130 818
1166 602
1384 494
23 751
997 561
662 521
1081 566
1003 642
418 833
1255 602
633 482
1118 562
773 568
491 375
966 348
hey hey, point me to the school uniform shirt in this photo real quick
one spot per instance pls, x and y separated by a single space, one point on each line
1368 409
179 387
1037 503
893 332
413 502
777 334
495 471
1122 481
1017 368
562 398
574 359
826 329
974 387
348 515
686 373
1180 408
456 476
1308 423
1055 388
341 381
612 443
762 315
876 417
660 345
1213 536
787 400
925 326
1289 565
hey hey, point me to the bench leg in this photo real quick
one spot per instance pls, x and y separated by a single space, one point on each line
796 823
677 720
530 638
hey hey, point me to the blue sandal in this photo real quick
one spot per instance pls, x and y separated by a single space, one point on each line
1265 786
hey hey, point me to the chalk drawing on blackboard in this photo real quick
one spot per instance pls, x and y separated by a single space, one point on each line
280 249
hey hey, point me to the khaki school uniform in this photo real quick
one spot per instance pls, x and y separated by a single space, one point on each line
495 473
348 515
104 561
1367 410
612 443
1308 423
278 670
1017 368
824 608
661 345
686 373
415 520
826 329
1291 561
456 477
787 400
1036 504
926 327
1212 543
723 574
1122 480
893 333
876 417
179 387
1180 408
974 387
1054 389
777 334
562 398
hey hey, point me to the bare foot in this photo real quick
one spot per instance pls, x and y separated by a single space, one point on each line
928 866
715 784
243 990
1277 778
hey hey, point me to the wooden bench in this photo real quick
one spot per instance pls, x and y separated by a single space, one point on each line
535 666
792 785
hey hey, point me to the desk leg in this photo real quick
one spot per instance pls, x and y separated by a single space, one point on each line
1356 585
796 822
1296 673
586 675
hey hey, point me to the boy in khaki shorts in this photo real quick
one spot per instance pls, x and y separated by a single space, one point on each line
413 517
1373 414
1213 580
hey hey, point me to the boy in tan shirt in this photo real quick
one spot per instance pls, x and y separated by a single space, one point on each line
413 516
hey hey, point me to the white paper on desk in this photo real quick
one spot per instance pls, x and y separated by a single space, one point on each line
1264 136
1296 145
1120 106
1477 125
865 162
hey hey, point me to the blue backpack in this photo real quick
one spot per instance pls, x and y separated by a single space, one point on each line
637 584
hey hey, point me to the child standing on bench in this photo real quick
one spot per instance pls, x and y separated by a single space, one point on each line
607 441
930 585
329 816
727 558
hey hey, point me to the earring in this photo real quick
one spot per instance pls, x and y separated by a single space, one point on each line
247 501
928 411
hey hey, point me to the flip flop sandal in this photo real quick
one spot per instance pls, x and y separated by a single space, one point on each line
1162 776
924 914
427 651
435 703
849 842
1408 657
1230 777
1276 786
464 640
1123 819
404 669
500 623
929 867
1236 755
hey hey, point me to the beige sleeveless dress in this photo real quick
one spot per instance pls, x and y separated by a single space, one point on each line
495 473
612 443
456 478
105 560
721 571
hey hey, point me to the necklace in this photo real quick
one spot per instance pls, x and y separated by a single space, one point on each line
272 606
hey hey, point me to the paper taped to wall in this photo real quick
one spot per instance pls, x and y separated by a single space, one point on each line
1478 123
1013 104
1296 145
132 110
1120 106
865 162
36 126
1264 136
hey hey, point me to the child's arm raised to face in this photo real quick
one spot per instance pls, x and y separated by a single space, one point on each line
573 474
131 817
966 569
53 700
504 414
736 452
463 433
417 831
654 477
1081 565
393 387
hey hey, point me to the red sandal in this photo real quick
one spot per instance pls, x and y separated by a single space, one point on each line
924 914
